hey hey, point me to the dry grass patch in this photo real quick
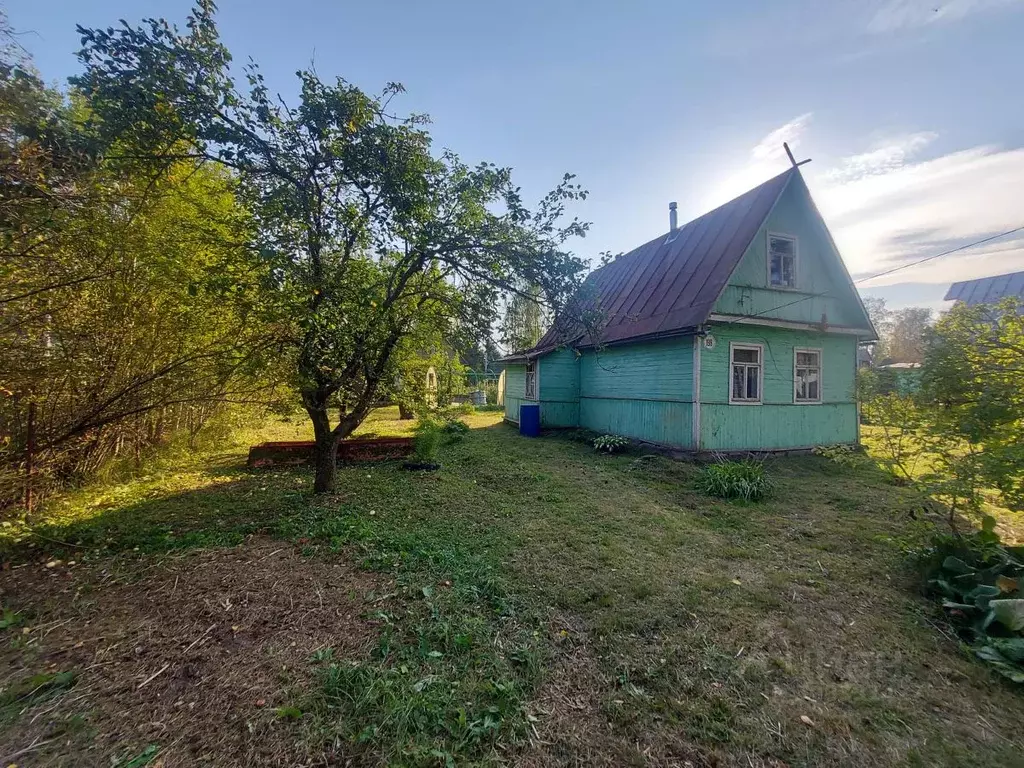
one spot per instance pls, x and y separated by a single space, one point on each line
189 659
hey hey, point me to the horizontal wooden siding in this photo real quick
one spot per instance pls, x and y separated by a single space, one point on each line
643 391
559 389
515 390
778 423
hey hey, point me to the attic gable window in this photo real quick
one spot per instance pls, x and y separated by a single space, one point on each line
531 380
781 261
745 378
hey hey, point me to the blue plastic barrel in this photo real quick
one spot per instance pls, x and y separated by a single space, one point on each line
529 420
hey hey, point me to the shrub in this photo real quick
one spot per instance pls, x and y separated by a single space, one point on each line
979 580
456 429
611 443
428 439
745 480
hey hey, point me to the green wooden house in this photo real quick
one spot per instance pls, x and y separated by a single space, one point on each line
735 332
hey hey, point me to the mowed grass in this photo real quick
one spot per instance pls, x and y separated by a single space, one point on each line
558 606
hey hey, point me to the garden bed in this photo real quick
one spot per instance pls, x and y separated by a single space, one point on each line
292 452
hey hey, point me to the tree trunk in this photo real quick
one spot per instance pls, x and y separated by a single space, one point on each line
405 412
325 456
325 452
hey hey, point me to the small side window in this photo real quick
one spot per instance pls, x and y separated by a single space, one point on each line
531 380
782 261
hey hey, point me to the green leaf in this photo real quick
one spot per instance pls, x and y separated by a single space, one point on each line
1000 663
982 590
1010 647
956 565
145 757
1009 613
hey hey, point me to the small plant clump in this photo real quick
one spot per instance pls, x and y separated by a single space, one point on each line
456 429
428 439
980 582
746 480
841 454
611 443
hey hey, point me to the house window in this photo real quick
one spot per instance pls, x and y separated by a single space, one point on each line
745 380
531 380
807 375
782 261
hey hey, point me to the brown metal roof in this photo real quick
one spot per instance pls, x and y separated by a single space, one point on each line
669 285
987 290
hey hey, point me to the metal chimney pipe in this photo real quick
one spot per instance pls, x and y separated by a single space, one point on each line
673 218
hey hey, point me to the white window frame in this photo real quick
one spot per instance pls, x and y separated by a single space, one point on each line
733 346
536 380
796 260
821 369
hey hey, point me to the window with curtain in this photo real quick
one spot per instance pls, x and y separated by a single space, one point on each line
746 373
807 375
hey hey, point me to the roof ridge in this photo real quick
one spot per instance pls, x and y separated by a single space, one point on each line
668 285
704 215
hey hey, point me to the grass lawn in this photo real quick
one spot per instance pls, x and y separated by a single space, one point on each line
532 603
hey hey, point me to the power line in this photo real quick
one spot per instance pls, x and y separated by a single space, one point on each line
938 255
890 271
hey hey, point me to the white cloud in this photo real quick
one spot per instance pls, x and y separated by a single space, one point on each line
894 15
885 210
885 157
767 158
770 147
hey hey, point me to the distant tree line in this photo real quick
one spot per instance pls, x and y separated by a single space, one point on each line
901 332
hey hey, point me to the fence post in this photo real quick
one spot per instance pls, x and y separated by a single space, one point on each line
30 450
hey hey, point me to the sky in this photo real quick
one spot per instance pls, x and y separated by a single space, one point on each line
910 110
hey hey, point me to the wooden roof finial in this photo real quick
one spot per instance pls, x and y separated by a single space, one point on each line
789 154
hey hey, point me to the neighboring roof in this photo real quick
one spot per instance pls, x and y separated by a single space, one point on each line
671 284
900 366
987 290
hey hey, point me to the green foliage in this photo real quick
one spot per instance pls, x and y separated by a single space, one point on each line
610 443
375 242
143 758
10 619
973 367
36 688
525 319
455 429
962 432
980 581
841 454
429 433
745 480
137 306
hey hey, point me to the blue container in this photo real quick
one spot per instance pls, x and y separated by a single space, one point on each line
529 420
